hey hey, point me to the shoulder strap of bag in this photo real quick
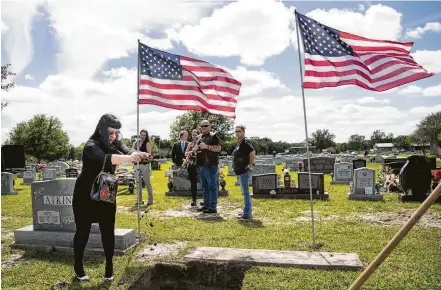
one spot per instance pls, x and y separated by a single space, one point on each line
104 164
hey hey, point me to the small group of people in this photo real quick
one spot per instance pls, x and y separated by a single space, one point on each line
201 157
105 150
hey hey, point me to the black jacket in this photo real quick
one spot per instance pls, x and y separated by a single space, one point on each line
177 154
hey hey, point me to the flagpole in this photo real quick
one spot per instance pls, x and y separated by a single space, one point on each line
307 138
138 182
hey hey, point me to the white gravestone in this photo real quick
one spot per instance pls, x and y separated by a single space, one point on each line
363 186
342 173
49 174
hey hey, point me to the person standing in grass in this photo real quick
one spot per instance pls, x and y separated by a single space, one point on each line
243 160
207 160
104 149
190 154
144 166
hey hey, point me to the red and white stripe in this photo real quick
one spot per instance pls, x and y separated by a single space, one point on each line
204 87
378 65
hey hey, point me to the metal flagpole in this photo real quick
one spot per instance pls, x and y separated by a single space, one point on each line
307 138
138 187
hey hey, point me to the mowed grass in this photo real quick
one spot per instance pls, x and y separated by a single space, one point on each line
415 264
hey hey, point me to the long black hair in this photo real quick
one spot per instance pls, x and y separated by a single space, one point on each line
101 134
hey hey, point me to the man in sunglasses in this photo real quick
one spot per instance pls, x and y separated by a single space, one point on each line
207 159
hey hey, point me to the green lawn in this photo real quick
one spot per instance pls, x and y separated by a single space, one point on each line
415 264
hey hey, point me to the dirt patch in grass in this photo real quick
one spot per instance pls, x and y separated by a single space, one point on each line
428 220
15 259
160 251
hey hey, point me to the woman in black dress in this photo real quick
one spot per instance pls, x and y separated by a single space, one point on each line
103 143
192 167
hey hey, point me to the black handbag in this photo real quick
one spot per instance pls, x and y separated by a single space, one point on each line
105 186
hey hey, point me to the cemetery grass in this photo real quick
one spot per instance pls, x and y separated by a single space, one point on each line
277 225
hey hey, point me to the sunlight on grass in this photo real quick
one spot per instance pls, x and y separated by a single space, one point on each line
414 264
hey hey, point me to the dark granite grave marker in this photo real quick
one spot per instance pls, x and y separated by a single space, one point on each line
359 163
320 164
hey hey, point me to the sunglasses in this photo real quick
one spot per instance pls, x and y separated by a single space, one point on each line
205 126
116 133
238 131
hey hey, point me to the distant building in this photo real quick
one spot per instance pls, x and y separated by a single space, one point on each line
384 147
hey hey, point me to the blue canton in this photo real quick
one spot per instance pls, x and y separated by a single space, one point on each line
159 64
319 39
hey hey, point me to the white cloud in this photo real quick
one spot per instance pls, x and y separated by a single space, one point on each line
412 90
252 30
377 22
419 31
16 32
423 110
91 33
255 81
372 100
29 77
429 59
4 27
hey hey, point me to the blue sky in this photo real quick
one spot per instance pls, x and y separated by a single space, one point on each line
76 60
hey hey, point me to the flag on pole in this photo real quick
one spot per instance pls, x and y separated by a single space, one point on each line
183 83
336 58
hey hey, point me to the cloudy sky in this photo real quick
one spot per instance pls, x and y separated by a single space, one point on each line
77 60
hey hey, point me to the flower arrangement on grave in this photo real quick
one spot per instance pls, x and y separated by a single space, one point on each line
222 181
436 177
389 180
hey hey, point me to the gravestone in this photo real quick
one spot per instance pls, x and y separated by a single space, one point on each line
259 169
292 163
395 164
320 164
358 163
415 179
54 224
230 169
71 173
266 186
63 167
182 184
432 162
378 159
278 160
317 182
28 177
57 170
8 183
155 165
367 159
363 186
342 173
49 174
264 183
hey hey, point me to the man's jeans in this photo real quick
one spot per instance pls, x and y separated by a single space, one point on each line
208 176
243 182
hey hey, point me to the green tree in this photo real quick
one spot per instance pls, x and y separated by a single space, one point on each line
190 120
429 129
42 137
6 85
322 139
402 141
379 136
356 142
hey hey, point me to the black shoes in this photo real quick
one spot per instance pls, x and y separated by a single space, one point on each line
80 275
108 275
193 204
210 210
203 208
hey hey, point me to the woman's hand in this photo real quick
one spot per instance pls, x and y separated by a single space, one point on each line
136 156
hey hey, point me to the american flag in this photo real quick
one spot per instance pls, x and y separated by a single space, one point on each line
335 58
183 83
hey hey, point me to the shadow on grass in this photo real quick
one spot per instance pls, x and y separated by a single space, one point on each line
93 259
253 223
